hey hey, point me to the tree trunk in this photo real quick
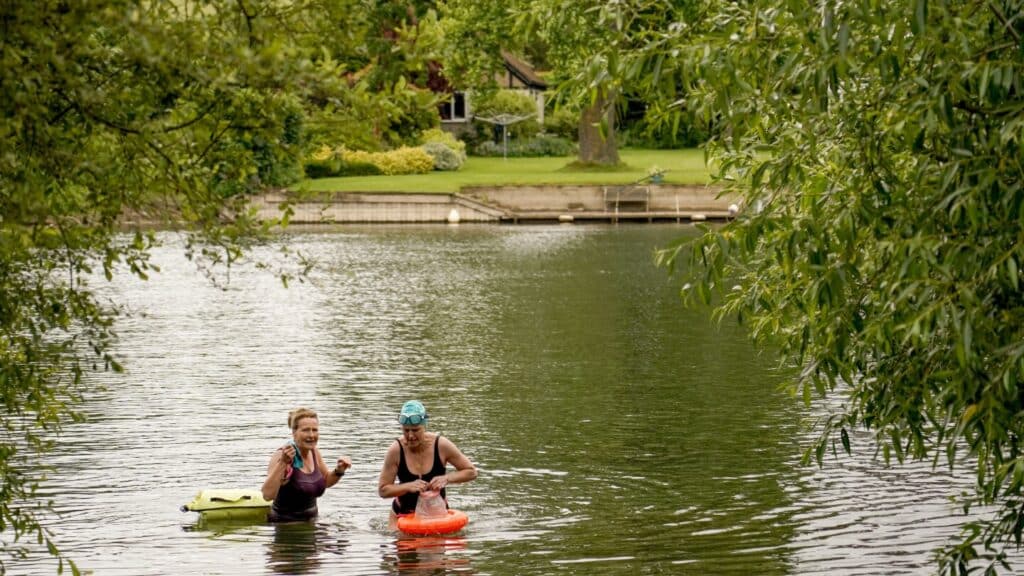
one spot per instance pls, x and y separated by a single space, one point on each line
597 132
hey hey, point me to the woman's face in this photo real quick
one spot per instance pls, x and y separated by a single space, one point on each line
413 435
306 433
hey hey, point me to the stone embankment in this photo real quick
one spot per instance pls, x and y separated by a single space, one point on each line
513 204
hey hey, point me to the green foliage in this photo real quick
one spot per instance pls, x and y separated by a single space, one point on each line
349 120
446 138
684 131
375 119
563 122
878 147
382 56
475 34
400 40
322 168
357 169
335 167
119 110
510 102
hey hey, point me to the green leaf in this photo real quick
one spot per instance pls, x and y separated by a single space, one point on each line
919 23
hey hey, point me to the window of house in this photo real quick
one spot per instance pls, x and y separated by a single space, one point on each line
454 109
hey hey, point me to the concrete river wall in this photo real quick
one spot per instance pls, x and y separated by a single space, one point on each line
508 204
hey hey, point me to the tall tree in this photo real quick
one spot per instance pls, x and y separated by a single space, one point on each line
583 40
118 110
878 146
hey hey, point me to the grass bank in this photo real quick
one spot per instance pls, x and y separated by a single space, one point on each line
683 167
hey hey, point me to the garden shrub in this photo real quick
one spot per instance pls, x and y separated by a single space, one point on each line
446 138
488 148
445 158
563 122
322 168
546 145
404 160
357 169
334 166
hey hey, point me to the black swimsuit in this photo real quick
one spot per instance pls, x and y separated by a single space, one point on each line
406 503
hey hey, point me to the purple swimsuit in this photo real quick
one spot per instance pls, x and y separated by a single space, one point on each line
296 500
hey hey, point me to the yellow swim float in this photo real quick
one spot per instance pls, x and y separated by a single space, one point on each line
221 503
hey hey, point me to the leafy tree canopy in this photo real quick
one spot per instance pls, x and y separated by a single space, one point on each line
877 145
126 110
386 52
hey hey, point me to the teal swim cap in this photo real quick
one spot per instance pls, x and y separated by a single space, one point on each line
413 413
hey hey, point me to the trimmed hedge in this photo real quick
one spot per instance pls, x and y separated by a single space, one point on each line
326 162
404 160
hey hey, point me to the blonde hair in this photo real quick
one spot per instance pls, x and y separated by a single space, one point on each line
298 414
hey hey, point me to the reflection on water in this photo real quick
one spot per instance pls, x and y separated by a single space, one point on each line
615 431
294 548
428 556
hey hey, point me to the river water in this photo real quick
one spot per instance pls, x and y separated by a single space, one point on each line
615 431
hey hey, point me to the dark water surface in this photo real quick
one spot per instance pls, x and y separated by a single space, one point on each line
615 431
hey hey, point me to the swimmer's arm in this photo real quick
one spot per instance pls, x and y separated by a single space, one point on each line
279 463
331 476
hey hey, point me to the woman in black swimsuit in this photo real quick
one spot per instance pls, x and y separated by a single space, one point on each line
418 462
297 474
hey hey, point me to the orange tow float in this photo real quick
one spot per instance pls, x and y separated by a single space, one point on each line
453 521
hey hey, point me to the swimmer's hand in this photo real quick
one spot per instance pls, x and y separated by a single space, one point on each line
344 463
287 454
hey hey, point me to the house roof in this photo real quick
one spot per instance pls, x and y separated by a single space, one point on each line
523 71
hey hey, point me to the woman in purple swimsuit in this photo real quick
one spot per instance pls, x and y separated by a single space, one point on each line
296 474
417 462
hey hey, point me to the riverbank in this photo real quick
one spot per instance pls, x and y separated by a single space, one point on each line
507 204
684 167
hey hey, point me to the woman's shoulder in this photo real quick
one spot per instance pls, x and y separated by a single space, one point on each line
443 443
395 446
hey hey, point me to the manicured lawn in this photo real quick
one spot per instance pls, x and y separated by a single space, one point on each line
683 166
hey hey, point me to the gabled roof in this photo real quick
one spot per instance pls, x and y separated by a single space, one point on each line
523 71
